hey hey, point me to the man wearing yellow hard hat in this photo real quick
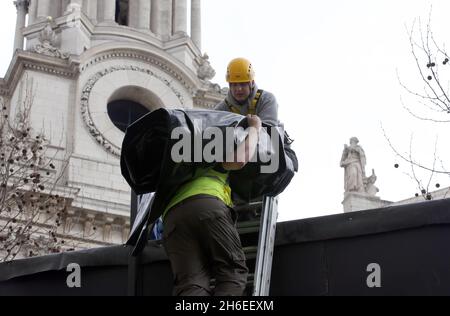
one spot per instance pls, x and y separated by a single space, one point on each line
244 97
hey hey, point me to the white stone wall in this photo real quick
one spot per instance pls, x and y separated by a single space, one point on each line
53 96
102 188
354 201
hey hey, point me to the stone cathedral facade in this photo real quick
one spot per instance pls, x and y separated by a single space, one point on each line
95 66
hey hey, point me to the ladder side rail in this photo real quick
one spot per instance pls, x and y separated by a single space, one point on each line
265 247
270 244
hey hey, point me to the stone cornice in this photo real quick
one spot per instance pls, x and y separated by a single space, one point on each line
89 158
99 206
113 32
201 103
143 45
182 41
188 82
60 22
26 60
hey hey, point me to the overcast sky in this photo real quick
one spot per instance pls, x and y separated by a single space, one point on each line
333 67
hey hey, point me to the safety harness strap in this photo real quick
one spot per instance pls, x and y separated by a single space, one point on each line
255 101
252 107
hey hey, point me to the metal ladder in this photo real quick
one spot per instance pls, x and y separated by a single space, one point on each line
256 226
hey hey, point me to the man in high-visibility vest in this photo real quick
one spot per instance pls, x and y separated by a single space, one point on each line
200 236
244 97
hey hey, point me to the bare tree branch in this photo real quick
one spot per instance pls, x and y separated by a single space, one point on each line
30 213
434 98
409 159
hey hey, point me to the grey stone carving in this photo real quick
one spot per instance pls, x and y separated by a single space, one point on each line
353 161
369 184
152 60
85 94
205 71
47 46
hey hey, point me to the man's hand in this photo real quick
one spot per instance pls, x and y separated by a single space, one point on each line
254 121
246 149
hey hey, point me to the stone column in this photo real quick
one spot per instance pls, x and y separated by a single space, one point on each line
155 21
89 228
179 17
92 10
167 19
144 14
139 15
43 9
68 222
133 13
161 20
107 232
22 8
109 11
196 23
125 233
32 11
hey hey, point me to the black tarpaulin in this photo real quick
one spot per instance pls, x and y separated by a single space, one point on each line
148 166
147 163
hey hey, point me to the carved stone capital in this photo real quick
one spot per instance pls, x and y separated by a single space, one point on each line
21 4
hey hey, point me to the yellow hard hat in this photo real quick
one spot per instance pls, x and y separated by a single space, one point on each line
240 70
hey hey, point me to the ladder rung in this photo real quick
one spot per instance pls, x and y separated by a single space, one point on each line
248 224
248 207
250 279
256 226
248 230
250 252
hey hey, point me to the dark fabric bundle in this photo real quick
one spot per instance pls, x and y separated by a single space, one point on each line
148 167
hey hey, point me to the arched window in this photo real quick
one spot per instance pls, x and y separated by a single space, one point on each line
124 112
122 12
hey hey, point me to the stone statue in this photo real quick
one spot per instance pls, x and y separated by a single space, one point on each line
205 71
354 161
47 35
369 184
48 39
